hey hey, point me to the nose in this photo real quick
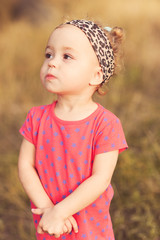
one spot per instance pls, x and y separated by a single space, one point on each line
52 63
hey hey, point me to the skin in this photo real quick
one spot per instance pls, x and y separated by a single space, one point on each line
71 70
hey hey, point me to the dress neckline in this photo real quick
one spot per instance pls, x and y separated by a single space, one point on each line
74 122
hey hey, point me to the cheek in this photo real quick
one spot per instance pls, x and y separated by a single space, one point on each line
42 72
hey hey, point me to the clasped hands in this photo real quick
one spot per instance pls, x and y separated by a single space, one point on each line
54 223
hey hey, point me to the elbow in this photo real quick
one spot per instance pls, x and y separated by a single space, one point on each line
21 174
24 173
102 183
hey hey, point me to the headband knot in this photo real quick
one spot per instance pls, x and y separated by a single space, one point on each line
109 29
100 43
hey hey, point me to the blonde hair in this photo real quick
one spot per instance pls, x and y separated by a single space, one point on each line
116 37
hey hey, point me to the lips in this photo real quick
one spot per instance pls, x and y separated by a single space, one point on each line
49 76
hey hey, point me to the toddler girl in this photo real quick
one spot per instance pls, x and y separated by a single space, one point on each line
71 146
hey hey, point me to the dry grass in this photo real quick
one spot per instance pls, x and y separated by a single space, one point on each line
133 96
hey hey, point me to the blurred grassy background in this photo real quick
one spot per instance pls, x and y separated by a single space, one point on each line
134 96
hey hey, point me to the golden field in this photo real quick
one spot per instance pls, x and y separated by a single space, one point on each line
133 96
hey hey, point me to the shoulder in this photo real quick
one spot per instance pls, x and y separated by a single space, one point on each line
38 111
106 116
109 133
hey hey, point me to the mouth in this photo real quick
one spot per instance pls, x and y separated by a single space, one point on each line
50 77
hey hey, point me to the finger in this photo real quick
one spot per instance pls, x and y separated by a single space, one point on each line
37 211
65 229
56 235
40 230
68 225
74 224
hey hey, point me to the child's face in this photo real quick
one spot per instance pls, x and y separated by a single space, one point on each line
70 62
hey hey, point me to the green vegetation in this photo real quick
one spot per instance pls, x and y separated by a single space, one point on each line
133 97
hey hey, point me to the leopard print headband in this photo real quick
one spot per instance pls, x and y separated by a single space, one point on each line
100 43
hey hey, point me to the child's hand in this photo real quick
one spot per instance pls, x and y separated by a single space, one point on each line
50 222
54 224
71 223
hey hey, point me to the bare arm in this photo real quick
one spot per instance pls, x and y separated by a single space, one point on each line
29 178
33 187
86 193
93 187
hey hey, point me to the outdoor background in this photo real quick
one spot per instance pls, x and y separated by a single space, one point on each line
133 96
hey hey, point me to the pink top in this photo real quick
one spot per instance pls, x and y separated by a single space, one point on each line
65 151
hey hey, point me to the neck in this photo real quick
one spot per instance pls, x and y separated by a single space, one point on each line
74 108
71 103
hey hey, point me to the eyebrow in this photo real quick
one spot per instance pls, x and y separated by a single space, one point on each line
64 48
69 48
48 47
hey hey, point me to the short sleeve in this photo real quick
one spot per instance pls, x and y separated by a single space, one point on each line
110 138
27 129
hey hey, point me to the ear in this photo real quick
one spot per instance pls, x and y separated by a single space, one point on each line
97 77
